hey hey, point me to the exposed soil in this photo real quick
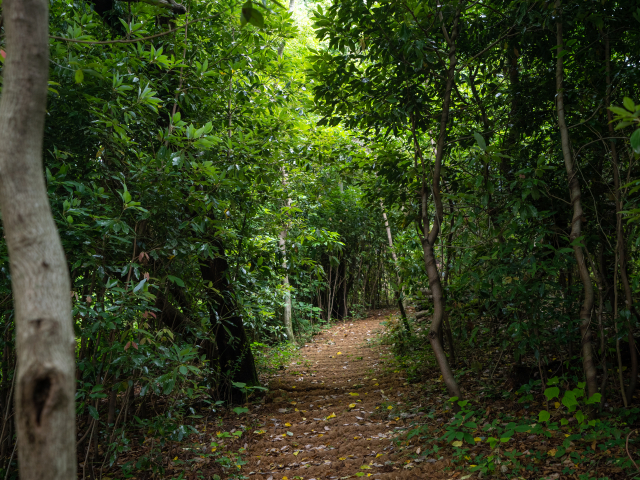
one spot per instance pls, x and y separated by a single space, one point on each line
329 416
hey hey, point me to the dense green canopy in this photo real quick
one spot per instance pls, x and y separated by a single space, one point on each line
211 162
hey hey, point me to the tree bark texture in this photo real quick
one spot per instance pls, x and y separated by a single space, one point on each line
576 222
45 386
429 237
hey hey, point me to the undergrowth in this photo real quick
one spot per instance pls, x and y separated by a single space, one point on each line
529 431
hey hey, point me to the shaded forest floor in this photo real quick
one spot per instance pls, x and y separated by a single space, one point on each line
349 404
340 413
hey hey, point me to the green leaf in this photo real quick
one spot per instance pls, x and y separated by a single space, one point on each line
635 141
551 392
618 111
79 76
543 416
628 104
251 15
176 280
126 197
139 285
569 400
183 370
93 412
481 143
595 398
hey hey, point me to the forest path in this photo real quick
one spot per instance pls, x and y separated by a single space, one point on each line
327 418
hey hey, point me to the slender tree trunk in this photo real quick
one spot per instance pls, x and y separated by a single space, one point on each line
45 386
576 222
281 47
429 237
622 258
399 295
288 325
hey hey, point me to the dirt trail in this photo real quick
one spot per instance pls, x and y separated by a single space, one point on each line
321 421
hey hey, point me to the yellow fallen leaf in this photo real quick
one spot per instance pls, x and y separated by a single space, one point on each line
296 453
457 443
175 459
333 415
342 458
376 384
477 439
352 405
379 455
389 407
552 452
557 404
287 424
297 410
259 432
285 478
339 353
354 394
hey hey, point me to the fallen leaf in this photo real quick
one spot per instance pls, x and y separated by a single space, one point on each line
457 443
552 452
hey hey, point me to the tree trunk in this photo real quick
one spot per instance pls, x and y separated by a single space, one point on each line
429 237
234 350
288 325
281 47
622 258
576 222
399 295
45 386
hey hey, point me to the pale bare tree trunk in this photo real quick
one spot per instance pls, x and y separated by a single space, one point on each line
576 222
281 47
399 295
429 237
44 396
288 325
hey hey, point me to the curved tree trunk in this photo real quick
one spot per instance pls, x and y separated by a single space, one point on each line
429 237
576 222
45 386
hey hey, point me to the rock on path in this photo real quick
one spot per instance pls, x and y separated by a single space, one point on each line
328 418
